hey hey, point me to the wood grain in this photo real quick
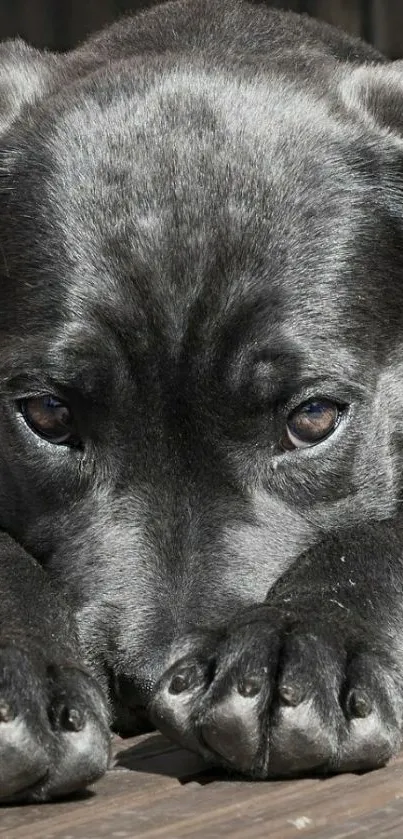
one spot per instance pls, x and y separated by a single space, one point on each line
156 790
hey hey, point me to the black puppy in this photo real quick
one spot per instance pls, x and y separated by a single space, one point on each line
201 383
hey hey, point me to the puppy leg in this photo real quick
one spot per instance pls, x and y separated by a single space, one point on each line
310 680
54 734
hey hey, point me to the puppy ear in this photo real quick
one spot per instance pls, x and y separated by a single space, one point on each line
25 75
375 93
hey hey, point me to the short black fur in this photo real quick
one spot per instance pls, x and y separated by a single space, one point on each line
201 229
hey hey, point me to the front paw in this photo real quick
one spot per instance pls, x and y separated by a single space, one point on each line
279 696
54 733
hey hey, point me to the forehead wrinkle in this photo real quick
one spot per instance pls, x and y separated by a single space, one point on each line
124 172
149 248
74 354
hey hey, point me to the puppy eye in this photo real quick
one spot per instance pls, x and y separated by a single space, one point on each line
310 423
49 417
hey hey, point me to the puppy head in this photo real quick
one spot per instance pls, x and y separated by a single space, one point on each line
200 316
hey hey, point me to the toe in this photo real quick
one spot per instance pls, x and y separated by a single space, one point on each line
231 729
176 701
372 706
23 761
80 743
83 758
300 740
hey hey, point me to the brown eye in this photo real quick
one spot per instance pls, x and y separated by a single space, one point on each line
50 418
311 423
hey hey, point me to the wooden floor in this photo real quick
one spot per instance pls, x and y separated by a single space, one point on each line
155 789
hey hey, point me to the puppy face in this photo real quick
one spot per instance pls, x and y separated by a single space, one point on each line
198 324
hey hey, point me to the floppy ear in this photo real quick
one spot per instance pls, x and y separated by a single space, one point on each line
375 93
25 75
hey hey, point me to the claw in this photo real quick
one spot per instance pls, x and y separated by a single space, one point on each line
251 685
72 720
6 712
359 704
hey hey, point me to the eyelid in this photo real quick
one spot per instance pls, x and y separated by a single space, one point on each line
32 385
317 392
17 394
303 444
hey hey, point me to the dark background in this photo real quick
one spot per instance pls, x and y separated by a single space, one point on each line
59 24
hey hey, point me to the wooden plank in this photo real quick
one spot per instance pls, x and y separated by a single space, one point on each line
156 790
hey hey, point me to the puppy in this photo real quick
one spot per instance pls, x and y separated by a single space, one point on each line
201 397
